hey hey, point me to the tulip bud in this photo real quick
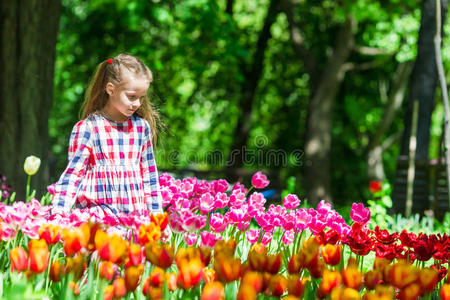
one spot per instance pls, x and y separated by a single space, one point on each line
331 254
50 233
19 259
135 254
253 279
133 276
159 255
75 287
31 165
39 255
277 285
107 270
120 289
55 271
108 292
213 291
157 277
295 285
246 292
171 279
445 291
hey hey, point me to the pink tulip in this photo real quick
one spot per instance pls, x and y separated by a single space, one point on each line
359 213
190 238
219 186
288 237
208 239
267 238
220 200
256 199
206 203
259 180
291 201
237 199
323 207
216 223
252 235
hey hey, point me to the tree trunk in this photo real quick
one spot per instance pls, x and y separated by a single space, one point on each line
252 76
423 81
375 169
28 34
320 114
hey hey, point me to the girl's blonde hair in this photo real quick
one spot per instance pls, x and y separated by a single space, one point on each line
113 71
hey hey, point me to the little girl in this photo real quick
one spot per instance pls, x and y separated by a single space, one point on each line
111 164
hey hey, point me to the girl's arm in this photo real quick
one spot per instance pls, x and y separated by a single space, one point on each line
150 174
80 150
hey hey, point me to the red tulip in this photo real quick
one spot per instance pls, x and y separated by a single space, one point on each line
19 259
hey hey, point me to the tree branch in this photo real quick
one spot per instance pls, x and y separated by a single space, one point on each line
371 51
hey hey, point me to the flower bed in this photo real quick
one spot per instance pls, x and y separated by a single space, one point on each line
223 243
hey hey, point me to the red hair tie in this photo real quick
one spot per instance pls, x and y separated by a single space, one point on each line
109 61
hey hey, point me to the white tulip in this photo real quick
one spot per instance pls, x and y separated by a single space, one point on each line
31 165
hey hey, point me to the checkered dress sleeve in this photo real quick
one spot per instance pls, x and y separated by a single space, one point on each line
150 174
80 149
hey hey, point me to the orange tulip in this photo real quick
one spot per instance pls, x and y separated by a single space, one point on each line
277 285
253 279
108 292
107 270
159 255
75 287
381 293
227 268
209 275
133 276
317 269
273 263
110 248
257 257
330 280
445 291
225 247
38 255
150 233
160 220
157 277
56 269
76 265
171 279
411 292
372 279
331 254
213 291
295 285
341 293
120 289
19 259
75 239
190 273
295 264
50 233
380 263
246 292
205 255
135 254
351 276
403 274
427 279
310 252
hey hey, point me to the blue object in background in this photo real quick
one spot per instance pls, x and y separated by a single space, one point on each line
269 194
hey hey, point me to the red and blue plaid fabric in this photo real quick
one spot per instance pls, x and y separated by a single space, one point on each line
111 166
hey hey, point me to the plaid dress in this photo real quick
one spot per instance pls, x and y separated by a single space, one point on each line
111 168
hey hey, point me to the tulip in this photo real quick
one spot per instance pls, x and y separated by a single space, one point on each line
403 274
227 247
135 254
50 233
445 291
107 270
277 285
75 287
291 201
375 186
381 293
205 255
428 279
149 233
331 254
295 285
259 180
157 277
273 263
246 292
76 265
133 276
190 273
120 289
38 255
213 291
410 292
253 279
341 293
209 275
110 248
227 268
159 255
351 276
295 264
257 257
331 279
171 279
161 220
108 292
31 165
372 279
19 259
56 269
75 239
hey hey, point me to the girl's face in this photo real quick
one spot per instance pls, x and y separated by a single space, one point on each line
126 98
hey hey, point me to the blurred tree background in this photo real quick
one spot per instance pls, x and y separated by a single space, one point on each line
274 76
